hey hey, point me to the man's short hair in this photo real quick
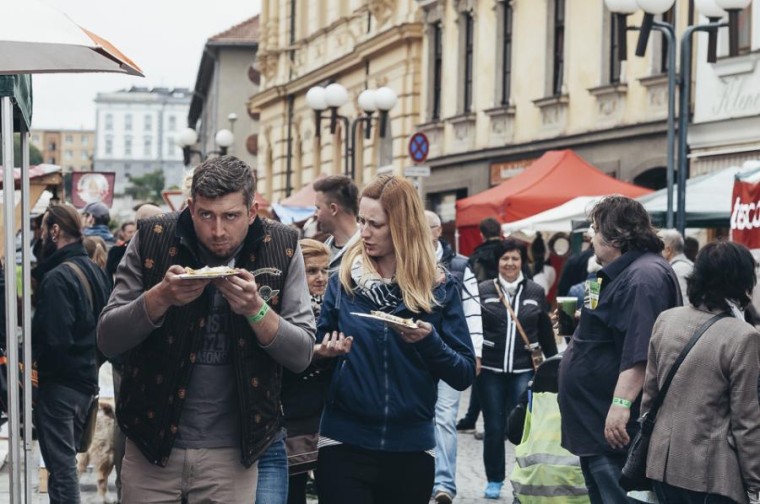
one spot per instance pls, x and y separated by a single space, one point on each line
673 239
625 224
220 176
691 247
490 228
340 190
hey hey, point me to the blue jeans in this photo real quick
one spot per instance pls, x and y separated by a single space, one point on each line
59 417
668 494
273 475
446 408
602 473
498 394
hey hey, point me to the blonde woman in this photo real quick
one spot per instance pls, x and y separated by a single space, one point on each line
377 429
96 249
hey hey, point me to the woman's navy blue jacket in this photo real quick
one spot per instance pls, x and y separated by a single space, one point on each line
383 392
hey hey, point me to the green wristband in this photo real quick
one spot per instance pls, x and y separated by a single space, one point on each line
260 315
619 401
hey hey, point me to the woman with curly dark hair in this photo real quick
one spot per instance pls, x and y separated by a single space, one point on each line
707 431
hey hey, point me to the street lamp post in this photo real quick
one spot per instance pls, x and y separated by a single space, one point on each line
189 137
334 96
714 10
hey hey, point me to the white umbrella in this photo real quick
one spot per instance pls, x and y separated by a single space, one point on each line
37 38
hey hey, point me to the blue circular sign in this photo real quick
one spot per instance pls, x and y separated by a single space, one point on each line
419 147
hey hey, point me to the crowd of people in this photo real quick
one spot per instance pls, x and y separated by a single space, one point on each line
343 362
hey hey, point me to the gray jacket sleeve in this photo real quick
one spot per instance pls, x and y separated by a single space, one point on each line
124 322
294 343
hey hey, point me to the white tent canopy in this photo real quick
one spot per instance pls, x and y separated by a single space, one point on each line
708 200
708 197
559 218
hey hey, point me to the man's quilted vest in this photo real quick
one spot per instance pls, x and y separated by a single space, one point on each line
157 371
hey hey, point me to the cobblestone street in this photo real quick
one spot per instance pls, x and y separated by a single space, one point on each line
470 473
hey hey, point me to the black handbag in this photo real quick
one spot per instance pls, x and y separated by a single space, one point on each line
634 473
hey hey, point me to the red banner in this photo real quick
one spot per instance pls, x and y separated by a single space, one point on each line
92 187
745 214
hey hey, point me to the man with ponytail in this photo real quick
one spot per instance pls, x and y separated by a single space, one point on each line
71 292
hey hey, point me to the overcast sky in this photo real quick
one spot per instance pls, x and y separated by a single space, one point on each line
164 37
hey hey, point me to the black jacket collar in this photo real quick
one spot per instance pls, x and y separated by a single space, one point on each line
61 255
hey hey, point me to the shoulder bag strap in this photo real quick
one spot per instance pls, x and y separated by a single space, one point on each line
528 345
652 413
83 280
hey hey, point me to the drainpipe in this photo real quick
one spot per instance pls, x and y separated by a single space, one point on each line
291 101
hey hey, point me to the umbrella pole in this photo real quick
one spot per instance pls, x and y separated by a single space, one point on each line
9 214
26 296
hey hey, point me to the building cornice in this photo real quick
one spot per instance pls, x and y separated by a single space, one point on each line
364 51
539 146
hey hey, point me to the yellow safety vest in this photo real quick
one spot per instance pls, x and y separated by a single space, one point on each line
545 472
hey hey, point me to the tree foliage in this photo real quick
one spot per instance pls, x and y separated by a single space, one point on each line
35 156
146 187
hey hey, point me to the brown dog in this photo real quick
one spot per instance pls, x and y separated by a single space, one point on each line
101 453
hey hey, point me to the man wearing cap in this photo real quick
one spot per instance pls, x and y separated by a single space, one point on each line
96 219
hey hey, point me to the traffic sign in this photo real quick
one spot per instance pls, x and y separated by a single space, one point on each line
417 171
419 147
175 199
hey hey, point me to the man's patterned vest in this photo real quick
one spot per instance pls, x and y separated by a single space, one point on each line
157 371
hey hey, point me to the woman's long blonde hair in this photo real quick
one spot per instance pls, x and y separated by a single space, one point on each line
416 271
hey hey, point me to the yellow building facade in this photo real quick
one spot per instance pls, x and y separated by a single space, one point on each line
506 80
360 44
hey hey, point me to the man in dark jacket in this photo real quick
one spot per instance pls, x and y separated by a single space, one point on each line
484 261
200 396
63 342
96 219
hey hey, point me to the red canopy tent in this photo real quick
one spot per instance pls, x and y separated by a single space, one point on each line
553 179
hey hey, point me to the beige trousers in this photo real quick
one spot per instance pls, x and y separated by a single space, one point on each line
198 476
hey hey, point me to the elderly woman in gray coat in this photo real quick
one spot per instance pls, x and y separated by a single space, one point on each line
705 446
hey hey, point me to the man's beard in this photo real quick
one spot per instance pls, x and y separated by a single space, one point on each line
48 247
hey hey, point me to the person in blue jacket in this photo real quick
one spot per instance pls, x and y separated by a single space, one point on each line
377 431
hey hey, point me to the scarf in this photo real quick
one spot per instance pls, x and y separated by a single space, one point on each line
511 287
384 292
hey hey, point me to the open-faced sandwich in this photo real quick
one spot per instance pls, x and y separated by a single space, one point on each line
209 272
387 317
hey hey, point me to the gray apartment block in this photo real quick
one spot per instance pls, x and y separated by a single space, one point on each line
136 131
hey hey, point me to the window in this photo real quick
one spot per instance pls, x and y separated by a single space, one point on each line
68 139
51 146
745 30
147 146
506 53
109 146
170 146
668 17
437 71
614 61
172 123
469 36
68 154
84 156
128 122
148 123
85 140
109 121
559 47
127 145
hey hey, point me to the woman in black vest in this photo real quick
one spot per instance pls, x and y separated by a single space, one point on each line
506 366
